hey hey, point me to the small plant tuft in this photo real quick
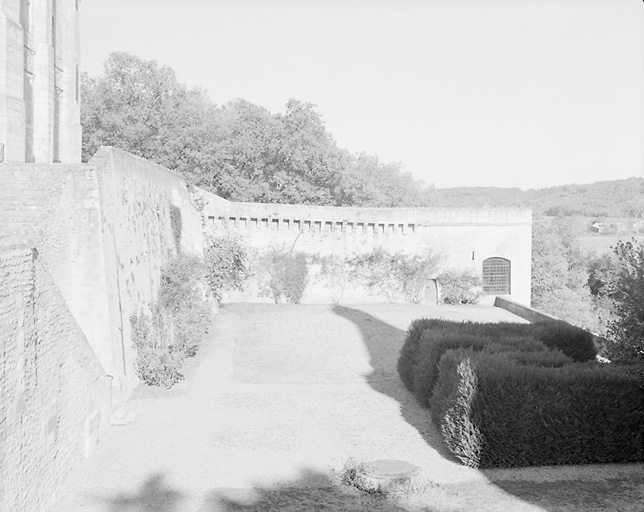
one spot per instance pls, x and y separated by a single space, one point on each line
351 474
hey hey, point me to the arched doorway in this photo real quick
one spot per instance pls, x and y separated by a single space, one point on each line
496 276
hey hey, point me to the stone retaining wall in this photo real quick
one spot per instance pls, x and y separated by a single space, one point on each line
54 394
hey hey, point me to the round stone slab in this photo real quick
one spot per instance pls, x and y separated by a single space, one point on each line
389 475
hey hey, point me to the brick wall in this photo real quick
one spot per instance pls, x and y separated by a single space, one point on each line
54 395
93 240
28 192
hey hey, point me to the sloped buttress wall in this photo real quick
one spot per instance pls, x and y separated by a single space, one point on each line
85 253
122 236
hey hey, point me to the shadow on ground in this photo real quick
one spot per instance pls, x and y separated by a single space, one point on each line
562 494
587 495
157 495
384 378
154 495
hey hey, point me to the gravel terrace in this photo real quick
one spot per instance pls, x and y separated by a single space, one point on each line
280 396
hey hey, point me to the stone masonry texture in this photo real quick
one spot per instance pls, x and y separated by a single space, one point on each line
39 88
82 247
54 395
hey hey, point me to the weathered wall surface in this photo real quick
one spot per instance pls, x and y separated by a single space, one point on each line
86 247
125 222
103 231
464 237
54 394
28 193
98 236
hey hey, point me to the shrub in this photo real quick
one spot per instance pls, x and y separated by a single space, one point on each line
575 342
226 261
395 274
626 290
546 359
550 344
451 406
175 325
433 344
514 336
409 351
493 412
515 344
459 287
500 329
288 275
155 364
181 298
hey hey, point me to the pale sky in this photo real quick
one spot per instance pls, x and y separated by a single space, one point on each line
513 93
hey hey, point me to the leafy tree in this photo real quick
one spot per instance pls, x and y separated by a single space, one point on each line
140 107
559 277
626 289
239 151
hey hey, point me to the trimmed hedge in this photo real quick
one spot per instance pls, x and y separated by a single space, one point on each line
433 344
409 352
575 342
547 359
493 412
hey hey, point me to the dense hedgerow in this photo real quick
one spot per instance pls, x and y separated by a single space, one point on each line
575 342
546 359
451 406
433 344
493 412
508 394
410 349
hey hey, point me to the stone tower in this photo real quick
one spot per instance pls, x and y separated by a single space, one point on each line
40 81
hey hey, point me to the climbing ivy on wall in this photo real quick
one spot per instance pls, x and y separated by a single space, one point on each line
288 275
174 325
176 223
226 262
395 274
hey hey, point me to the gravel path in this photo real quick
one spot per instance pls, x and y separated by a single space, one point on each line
280 396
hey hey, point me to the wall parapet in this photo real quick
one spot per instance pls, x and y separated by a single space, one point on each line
228 210
534 315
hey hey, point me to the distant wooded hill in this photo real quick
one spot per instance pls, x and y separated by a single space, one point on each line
618 198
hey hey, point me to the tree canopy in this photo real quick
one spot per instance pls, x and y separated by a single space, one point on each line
560 278
624 285
239 151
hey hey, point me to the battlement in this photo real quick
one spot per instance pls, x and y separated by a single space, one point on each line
286 216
